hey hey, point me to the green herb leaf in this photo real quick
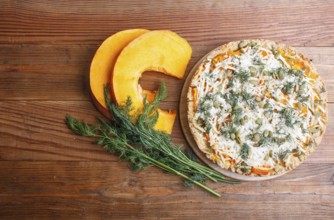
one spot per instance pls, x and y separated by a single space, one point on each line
243 76
284 154
288 88
288 117
245 151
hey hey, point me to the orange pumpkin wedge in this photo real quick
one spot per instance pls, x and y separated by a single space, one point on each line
103 64
162 51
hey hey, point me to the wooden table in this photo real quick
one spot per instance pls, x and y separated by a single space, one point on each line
46 172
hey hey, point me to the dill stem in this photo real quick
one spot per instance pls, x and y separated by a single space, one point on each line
171 170
192 164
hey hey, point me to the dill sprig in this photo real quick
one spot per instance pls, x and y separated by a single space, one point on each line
133 139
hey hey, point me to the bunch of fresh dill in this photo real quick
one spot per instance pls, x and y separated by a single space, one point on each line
134 139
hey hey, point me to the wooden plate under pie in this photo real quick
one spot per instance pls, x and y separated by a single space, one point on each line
183 109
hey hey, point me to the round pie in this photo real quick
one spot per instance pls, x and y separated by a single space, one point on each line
257 107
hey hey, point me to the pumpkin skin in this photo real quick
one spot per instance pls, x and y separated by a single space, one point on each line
162 51
103 64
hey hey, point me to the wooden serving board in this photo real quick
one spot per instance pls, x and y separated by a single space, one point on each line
183 109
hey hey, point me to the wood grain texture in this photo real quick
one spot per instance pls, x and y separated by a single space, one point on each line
303 23
79 190
66 73
46 172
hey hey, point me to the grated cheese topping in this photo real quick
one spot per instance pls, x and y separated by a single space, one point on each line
257 108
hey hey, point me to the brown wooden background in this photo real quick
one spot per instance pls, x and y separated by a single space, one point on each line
46 172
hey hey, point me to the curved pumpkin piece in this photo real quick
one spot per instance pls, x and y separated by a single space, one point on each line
163 51
103 63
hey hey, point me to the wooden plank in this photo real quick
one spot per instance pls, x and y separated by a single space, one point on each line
78 54
35 130
301 23
99 173
318 55
108 189
30 72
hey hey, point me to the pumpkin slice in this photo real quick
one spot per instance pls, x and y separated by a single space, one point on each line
103 63
162 51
